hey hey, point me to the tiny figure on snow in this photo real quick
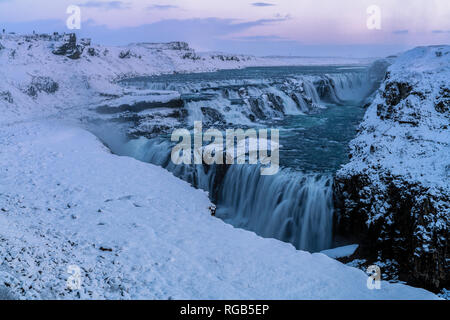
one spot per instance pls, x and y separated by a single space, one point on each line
212 209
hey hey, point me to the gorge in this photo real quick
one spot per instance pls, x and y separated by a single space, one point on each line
126 222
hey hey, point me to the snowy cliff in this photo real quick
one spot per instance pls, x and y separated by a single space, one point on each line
395 191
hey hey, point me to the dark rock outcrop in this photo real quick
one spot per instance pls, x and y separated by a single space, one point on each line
126 54
191 56
276 103
443 101
139 106
42 84
410 226
225 57
93 52
69 47
212 116
6 96
326 88
256 108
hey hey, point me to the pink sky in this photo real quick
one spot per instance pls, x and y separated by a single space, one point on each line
299 22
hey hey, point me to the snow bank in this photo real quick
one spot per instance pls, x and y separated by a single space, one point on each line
341 252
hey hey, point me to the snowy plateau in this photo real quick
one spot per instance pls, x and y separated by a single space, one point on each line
138 232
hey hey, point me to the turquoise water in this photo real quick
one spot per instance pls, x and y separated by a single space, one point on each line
315 142
250 73
319 142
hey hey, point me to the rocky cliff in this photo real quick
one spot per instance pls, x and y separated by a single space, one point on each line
394 194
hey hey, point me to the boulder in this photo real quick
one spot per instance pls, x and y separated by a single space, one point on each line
42 84
6 96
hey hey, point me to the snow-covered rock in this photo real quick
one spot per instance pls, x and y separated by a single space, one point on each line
395 191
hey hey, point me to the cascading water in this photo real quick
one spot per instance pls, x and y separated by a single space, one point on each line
290 206
242 101
158 152
296 204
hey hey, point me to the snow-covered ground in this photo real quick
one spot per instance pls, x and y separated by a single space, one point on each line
341 252
133 229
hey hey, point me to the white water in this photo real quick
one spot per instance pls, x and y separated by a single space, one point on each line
238 100
291 207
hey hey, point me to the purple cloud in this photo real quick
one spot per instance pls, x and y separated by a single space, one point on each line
161 7
106 5
262 4
400 32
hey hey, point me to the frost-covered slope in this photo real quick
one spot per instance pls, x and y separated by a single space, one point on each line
396 189
138 232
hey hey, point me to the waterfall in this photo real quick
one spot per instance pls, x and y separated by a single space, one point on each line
291 206
345 86
289 106
311 92
245 101
158 152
